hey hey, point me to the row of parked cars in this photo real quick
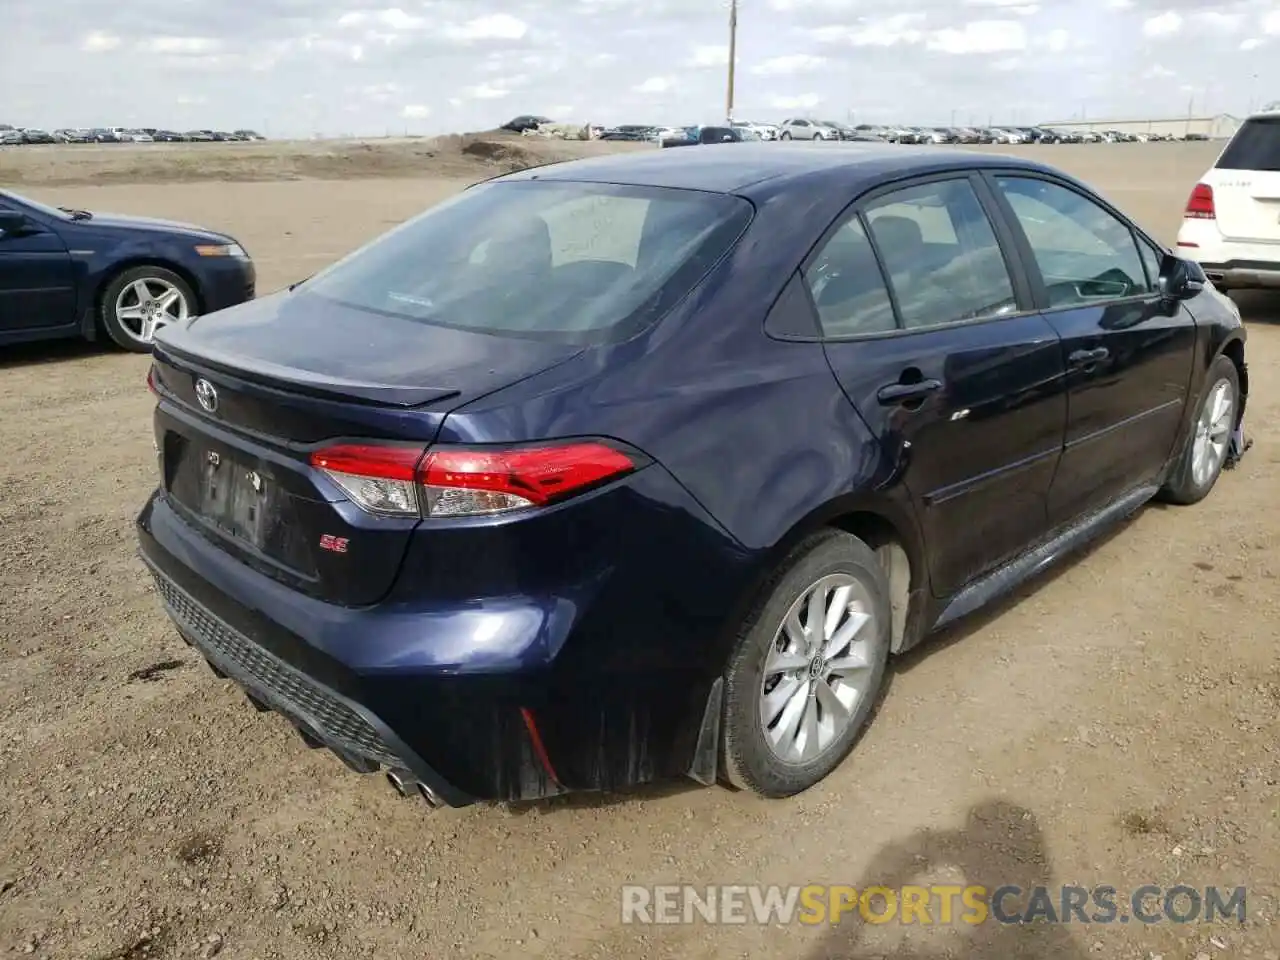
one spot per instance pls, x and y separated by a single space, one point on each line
804 128
16 136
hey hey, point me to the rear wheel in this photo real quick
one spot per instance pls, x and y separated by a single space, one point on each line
141 300
807 669
1209 441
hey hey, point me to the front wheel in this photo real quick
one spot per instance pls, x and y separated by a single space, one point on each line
785 136
808 667
141 300
1209 442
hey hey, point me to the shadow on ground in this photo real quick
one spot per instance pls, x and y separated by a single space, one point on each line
999 845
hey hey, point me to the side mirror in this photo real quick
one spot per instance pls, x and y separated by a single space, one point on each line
11 222
1180 279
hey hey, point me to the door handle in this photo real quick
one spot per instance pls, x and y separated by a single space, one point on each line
1085 358
907 392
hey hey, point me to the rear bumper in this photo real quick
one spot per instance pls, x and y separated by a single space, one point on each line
1247 275
323 716
515 698
1229 264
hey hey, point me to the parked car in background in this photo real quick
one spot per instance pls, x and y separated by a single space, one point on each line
368 480
199 136
66 273
168 136
1231 226
802 128
249 135
11 138
36 135
765 131
705 135
526 121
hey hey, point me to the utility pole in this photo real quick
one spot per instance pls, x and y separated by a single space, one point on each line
733 56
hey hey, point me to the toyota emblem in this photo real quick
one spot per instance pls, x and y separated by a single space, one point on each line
207 396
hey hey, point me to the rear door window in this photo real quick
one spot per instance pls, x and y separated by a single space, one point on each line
847 286
1256 146
941 254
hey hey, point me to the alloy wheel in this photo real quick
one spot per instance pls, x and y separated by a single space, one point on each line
147 304
1213 432
819 669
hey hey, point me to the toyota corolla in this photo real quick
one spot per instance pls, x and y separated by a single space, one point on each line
645 466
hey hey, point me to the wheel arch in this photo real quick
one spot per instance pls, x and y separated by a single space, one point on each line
1233 350
888 527
110 275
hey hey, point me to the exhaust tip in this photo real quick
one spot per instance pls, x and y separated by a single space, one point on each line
398 783
432 800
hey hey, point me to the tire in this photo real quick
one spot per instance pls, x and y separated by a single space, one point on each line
1209 437
785 135
770 716
124 312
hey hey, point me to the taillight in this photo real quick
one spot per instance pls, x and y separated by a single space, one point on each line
1200 204
151 380
469 481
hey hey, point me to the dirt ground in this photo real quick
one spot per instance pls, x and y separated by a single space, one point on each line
1118 723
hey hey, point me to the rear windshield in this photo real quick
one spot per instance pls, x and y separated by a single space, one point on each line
1256 146
550 260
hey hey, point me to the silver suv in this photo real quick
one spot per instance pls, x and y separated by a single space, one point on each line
799 128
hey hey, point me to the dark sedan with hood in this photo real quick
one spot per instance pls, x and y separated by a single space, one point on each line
69 273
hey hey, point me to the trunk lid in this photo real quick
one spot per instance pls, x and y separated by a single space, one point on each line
1247 191
284 375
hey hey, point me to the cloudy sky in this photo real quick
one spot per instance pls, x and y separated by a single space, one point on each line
297 67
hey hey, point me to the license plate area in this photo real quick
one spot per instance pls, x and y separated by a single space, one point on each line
235 497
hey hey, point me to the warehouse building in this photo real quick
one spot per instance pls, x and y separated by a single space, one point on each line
1218 127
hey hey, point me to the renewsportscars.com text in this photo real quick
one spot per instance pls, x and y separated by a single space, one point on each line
930 905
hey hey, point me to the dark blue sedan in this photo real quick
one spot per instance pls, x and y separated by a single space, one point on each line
644 466
72 273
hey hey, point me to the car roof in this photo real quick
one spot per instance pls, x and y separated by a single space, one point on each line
746 168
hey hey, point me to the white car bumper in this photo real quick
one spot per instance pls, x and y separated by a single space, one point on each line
1229 264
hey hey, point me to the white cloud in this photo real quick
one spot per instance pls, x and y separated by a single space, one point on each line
714 55
883 32
983 36
182 45
1163 25
98 42
804 101
560 111
1222 21
415 111
486 91
1057 40
1252 43
788 64
1271 23
1157 72
496 26
654 85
